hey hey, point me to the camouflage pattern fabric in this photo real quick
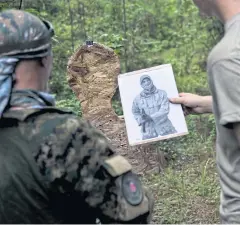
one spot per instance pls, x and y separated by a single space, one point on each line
29 98
84 179
22 35
7 77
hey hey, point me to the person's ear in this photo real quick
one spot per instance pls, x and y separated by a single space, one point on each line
47 61
44 62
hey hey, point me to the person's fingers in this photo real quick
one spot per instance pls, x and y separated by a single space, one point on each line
182 94
177 100
180 99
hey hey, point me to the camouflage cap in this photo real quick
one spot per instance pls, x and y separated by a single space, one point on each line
24 35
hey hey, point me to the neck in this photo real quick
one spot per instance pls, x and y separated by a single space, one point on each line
30 81
227 9
29 75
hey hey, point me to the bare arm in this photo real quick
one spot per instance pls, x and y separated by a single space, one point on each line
194 104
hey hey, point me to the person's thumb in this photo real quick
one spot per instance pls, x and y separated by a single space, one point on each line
176 100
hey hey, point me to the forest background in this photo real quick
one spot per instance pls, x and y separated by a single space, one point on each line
148 33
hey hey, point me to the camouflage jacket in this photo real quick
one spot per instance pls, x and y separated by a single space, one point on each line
57 168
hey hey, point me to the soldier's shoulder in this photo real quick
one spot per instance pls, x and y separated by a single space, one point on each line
52 123
69 138
68 126
63 119
64 131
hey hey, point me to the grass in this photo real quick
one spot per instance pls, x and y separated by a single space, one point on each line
188 190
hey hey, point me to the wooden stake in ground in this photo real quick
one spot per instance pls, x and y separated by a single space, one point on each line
92 74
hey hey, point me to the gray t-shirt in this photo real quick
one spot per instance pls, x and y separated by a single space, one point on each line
224 81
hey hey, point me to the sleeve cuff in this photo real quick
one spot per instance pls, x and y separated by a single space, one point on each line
228 118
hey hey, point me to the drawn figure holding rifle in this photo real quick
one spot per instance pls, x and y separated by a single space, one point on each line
150 109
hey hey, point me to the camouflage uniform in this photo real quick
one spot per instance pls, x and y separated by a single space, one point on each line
55 167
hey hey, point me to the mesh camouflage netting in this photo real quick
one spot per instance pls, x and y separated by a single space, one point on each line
92 75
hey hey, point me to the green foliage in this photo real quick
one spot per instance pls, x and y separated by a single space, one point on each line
117 107
145 34
189 195
70 104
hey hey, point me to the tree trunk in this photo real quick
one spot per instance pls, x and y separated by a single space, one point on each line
125 35
71 21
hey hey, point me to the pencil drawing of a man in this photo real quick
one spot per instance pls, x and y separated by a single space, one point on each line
150 109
